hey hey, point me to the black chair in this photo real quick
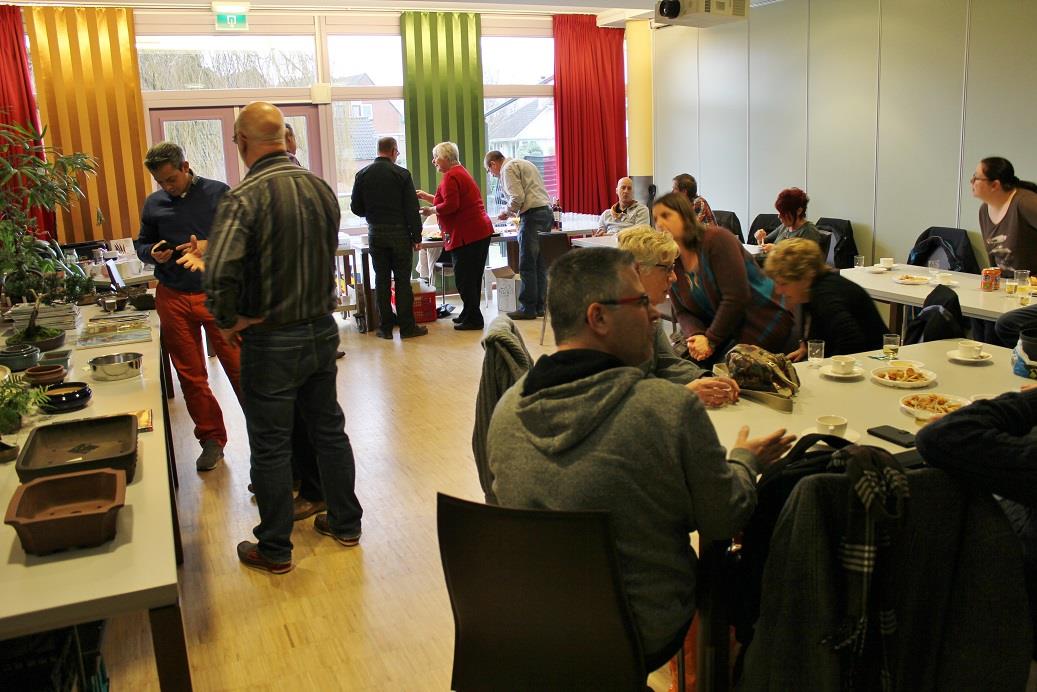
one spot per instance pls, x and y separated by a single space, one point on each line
826 245
948 246
767 222
729 220
843 247
538 600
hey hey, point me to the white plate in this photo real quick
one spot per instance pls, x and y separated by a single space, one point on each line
937 282
958 357
876 269
827 371
850 435
930 378
926 415
915 280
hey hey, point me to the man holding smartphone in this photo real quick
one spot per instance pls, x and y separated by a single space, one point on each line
184 207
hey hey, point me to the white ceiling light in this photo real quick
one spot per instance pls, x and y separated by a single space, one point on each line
220 7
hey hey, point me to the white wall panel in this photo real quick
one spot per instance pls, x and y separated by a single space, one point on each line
676 112
843 93
778 116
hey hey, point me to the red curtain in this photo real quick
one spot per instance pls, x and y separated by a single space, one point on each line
17 103
590 112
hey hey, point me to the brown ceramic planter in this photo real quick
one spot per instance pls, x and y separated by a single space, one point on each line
72 510
45 374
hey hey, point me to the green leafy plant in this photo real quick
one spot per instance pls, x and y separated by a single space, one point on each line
18 399
35 176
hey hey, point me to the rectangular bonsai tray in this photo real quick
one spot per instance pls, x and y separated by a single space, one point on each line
80 445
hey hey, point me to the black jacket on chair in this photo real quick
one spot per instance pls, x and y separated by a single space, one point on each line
949 246
843 248
940 318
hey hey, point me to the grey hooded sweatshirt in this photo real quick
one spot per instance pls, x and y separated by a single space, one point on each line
641 448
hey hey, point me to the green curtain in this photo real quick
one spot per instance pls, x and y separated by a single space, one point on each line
442 91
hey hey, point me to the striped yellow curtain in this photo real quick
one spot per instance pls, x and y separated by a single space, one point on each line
88 87
442 91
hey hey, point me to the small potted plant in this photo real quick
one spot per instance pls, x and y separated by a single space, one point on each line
18 399
43 338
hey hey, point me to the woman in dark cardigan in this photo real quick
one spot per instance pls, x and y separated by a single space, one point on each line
721 297
835 309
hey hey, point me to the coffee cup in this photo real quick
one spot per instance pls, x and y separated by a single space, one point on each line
843 365
831 425
886 262
969 348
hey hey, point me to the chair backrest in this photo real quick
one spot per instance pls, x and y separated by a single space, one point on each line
538 600
826 244
552 246
844 247
729 220
767 222
948 246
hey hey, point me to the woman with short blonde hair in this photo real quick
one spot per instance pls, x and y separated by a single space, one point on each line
656 253
447 151
834 309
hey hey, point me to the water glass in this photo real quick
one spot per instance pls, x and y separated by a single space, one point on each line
1022 278
934 267
815 352
858 261
890 346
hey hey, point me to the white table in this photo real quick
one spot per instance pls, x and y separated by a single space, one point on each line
137 570
866 404
986 305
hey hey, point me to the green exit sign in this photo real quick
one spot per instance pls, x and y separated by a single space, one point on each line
231 22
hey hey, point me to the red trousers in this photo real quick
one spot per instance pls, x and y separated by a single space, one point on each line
183 317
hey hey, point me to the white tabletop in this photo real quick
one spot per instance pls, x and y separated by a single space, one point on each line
137 570
987 305
866 404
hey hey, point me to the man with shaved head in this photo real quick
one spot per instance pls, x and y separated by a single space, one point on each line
270 279
625 213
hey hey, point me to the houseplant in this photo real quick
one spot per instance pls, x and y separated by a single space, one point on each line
18 399
35 176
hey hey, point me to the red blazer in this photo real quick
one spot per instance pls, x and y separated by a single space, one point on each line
459 206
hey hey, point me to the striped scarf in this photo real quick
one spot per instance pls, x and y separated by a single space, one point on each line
878 492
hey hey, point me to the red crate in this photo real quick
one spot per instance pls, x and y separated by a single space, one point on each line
424 306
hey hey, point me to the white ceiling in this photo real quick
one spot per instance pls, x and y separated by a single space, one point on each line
514 7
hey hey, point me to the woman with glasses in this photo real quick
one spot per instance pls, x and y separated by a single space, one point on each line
834 308
1008 215
656 253
721 297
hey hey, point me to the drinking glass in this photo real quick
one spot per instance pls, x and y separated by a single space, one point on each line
934 267
890 346
858 261
1022 279
815 352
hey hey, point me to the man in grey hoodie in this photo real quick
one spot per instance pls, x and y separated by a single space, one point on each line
587 428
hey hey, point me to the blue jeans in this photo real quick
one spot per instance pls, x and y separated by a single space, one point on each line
281 369
531 263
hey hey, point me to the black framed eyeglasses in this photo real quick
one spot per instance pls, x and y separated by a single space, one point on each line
641 301
976 177
672 266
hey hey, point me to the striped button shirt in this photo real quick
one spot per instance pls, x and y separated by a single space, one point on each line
272 248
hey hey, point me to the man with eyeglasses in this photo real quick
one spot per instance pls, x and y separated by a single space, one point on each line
588 428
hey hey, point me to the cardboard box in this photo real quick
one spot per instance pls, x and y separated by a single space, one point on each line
507 288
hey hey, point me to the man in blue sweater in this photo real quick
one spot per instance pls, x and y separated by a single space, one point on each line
184 207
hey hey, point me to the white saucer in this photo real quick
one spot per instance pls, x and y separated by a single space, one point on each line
956 355
876 269
937 282
850 435
857 373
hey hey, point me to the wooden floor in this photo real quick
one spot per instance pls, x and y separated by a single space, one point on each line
372 617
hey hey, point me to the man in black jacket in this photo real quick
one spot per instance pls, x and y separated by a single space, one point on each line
384 194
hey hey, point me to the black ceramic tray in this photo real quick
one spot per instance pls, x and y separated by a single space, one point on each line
80 445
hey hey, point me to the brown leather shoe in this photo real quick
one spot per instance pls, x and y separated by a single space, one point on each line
305 508
248 553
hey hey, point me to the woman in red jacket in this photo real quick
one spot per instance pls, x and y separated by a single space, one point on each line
466 229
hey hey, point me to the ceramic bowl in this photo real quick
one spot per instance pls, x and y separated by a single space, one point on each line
48 343
69 396
19 357
62 358
45 374
119 366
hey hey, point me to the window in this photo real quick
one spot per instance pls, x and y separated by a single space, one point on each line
522 128
226 62
358 127
518 60
366 60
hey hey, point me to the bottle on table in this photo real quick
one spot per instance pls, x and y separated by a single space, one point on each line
556 209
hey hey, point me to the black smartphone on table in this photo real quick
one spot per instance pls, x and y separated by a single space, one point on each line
897 436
